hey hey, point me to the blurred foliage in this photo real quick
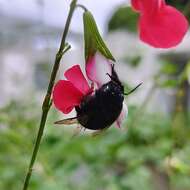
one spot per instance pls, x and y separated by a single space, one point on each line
134 61
173 71
187 72
126 159
167 77
123 18
177 3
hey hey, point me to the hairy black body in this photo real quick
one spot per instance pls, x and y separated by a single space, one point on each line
100 110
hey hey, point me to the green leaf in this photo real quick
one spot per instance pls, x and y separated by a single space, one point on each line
169 68
92 38
124 18
133 61
169 83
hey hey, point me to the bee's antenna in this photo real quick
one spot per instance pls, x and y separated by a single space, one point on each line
133 90
109 76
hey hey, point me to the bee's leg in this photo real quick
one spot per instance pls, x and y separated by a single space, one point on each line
77 131
68 121
96 133
99 132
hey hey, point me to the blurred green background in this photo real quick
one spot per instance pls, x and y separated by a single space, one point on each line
150 152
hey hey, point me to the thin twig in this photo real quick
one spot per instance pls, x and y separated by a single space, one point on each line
47 100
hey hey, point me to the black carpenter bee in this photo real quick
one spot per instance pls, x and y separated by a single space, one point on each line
100 110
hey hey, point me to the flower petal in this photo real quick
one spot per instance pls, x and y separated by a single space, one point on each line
122 116
76 77
165 29
147 6
66 96
136 5
97 68
160 25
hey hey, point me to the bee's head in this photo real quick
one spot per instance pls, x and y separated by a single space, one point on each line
115 79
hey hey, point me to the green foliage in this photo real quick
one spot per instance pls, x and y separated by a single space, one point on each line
186 73
133 61
114 160
169 83
123 18
178 3
171 74
168 68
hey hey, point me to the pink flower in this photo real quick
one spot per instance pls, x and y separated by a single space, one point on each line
72 93
69 93
97 68
160 25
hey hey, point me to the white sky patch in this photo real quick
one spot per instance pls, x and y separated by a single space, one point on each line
25 9
53 12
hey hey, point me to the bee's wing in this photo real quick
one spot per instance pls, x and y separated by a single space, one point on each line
68 121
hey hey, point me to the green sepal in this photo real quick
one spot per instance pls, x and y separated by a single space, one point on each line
92 38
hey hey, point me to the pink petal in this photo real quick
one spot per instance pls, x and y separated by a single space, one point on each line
147 6
123 115
161 26
164 29
66 96
97 68
136 5
76 77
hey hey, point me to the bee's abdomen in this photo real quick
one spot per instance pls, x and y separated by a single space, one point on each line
100 110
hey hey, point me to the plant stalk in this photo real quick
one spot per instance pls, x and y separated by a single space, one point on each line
47 100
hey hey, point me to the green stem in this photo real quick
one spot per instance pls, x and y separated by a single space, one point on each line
47 100
82 7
